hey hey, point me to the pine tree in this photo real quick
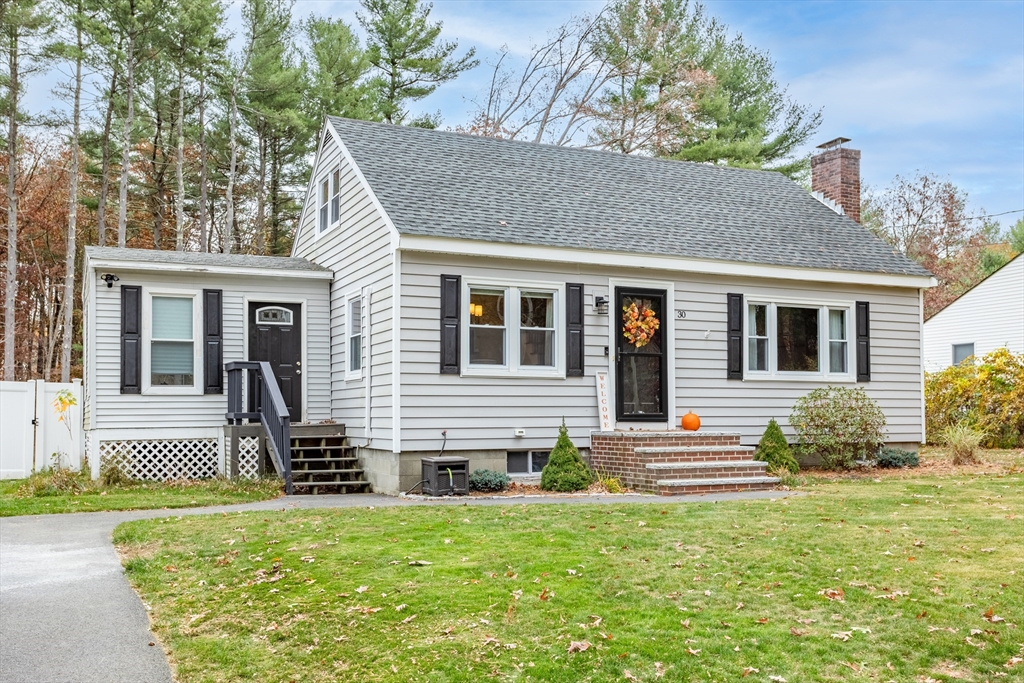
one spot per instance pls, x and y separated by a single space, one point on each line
405 49
774 450
565 470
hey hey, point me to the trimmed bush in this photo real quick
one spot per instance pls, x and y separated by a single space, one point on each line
565 471
839 424
488 480
774 450
894 458
988 395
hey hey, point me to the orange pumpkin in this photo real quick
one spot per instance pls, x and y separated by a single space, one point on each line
690 422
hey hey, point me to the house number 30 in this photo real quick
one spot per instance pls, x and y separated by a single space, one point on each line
680 315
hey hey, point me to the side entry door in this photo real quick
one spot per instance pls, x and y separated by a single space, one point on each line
275 336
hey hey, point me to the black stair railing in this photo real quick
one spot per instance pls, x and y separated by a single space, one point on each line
270 410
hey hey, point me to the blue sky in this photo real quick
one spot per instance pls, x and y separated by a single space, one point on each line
935 86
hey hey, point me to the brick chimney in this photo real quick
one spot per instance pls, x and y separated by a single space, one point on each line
835 172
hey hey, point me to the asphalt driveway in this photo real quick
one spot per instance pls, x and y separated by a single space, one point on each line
67 614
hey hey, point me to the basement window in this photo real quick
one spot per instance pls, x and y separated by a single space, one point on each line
526 462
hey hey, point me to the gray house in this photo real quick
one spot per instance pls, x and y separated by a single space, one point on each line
491 288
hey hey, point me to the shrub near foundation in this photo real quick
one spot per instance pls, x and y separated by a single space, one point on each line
774 450
565 472
839 424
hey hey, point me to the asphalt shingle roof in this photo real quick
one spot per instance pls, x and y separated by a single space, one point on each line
195 259
460 186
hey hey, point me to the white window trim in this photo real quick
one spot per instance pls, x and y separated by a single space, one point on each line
147 341
327 177
952 351
773 374
353 375
512 368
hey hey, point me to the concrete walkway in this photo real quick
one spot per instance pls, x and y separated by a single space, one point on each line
67 614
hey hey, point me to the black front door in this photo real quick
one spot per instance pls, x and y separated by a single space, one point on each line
640 367
275 335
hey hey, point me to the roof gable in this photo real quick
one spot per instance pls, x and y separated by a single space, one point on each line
451 185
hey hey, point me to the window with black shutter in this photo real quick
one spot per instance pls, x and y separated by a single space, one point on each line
213 341
734 364
451 294
131 342
574 330
863 341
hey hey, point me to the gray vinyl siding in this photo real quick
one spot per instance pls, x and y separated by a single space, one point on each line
113 410
482 412
358 250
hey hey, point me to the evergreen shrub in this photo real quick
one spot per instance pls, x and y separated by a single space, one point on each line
894 458
488 480
565 471
774 450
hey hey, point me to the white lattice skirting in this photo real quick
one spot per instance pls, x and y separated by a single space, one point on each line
248 455
163 459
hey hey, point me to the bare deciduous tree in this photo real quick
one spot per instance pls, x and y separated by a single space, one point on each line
548 100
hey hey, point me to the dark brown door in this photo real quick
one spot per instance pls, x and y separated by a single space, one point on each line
640 367
275 336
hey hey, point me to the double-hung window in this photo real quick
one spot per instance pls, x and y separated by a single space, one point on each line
330 201
354 337
798 340
172 342
513 329
325 195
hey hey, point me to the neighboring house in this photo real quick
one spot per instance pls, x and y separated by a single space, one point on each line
477 286
986 317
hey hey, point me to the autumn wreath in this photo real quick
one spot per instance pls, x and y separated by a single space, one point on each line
639 323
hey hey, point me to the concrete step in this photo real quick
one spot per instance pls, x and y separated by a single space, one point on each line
694 453
316 487
675 487
707 469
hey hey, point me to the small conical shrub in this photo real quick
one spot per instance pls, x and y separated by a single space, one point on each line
565 470
774 450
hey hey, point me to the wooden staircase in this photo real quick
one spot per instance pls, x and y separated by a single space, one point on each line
323 462
676 462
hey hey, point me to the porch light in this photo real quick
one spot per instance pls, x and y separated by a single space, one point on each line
601 304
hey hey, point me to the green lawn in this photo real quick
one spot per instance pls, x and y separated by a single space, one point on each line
855 580
35 497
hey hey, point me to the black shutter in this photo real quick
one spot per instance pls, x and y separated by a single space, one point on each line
451 294
735 337
863 341
213 341
573 330
131 339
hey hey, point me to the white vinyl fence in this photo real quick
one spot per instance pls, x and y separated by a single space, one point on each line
30 431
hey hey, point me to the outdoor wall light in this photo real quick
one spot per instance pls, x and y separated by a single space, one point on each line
110 279
601 304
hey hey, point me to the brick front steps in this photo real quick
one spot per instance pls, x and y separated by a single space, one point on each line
677 462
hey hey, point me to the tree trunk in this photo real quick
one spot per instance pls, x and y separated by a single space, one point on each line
261 187
179 161
204 244
126 139
101 203
229 194
157 196
12 210
70 256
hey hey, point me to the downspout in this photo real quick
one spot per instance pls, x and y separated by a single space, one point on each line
364 309
920 312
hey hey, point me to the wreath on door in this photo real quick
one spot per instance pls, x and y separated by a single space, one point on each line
639 323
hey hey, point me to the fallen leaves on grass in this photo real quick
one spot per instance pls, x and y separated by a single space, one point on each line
835 594
990 616
578 646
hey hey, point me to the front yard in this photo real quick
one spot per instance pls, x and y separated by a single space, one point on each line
38 495
913 577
